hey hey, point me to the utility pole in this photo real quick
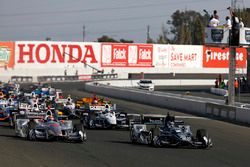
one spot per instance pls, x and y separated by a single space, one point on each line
233 4
231 76
83 33
148 29
232 66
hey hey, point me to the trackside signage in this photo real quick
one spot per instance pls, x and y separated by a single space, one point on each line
161 56
56 53
126 55
7 50
219 57
81 58
185 56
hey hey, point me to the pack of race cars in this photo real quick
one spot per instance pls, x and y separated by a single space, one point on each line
42 113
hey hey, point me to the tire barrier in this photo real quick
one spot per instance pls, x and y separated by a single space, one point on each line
57 78
103 76
89 77
22 79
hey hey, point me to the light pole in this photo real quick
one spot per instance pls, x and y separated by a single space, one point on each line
231 75
232 66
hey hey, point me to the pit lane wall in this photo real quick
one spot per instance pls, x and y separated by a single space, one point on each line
54 58
194 105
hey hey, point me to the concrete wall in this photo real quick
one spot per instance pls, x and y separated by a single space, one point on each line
199 106
159 82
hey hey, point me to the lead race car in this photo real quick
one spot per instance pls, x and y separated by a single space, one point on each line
172 134
39 126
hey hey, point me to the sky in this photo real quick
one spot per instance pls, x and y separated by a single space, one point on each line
63 20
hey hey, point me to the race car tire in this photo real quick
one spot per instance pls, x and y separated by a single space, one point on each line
80 129
154 132
46 135
91 124
84 121
131 135
157 141
31 136
200 134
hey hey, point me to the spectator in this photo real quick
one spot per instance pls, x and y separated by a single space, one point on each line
235 28
214 22
226 98
244 83
228 23
216 83
215 14
236 86
226 86
222 84
241 23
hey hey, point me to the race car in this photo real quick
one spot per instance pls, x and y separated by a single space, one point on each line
6 115
47 128
172 134
87 102
2 95
126 120
96 112
99 119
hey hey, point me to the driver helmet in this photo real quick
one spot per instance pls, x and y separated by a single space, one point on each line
50 118
95 102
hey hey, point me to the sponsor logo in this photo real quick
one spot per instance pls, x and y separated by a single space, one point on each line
219 58
217 35
127 55
247 35
55 53
6 55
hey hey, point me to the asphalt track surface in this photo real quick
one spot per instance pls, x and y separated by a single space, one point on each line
112 148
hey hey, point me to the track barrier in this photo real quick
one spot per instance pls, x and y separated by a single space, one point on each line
22 79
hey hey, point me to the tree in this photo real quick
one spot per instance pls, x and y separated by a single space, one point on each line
198 32
163 37
188 27
106 38
126 41
150 40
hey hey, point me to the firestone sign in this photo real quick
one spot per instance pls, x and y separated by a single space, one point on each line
219 57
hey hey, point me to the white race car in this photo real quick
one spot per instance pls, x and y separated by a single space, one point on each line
99 117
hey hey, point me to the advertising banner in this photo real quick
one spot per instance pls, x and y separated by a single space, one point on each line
7 57
214 57
44 54
185 56
161 56
126 55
